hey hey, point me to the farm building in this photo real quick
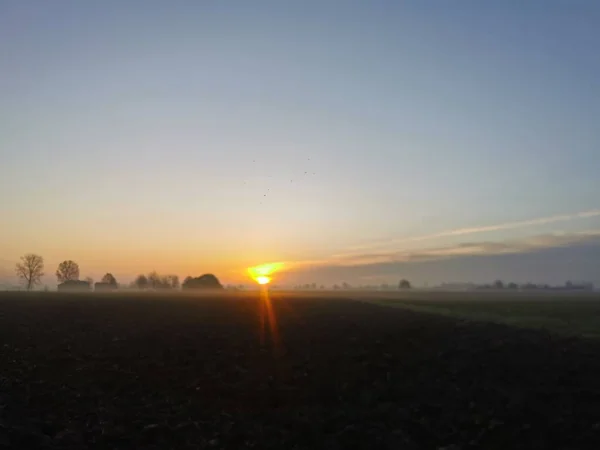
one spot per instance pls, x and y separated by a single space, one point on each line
74 286
104 287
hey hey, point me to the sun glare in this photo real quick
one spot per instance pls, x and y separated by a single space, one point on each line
263 280
262 274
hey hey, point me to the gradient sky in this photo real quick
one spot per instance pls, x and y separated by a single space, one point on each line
195 136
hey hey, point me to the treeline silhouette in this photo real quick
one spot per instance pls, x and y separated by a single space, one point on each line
403 284
30 270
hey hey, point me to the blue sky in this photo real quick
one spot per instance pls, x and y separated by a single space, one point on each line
196 136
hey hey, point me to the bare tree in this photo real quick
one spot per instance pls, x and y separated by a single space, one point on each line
30 270
155 281
67 270
173 281
90 281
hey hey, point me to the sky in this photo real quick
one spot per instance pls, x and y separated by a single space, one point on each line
350 140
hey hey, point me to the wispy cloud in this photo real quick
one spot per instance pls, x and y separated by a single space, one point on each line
548 258
543 241
381 244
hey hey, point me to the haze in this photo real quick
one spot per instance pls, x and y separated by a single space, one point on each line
352 141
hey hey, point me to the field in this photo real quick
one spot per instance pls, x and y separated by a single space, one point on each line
567 313
296 371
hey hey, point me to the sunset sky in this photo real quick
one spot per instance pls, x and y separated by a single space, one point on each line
352 140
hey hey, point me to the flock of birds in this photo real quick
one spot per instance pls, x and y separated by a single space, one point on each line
291 180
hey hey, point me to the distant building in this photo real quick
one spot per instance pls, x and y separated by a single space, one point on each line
104 287
579 286
74 286
456 286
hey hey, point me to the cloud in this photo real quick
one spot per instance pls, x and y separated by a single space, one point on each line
461 249
547 255
476 230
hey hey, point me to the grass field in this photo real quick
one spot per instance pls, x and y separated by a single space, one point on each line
565 313
292 371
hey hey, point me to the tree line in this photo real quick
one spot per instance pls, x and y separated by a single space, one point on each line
30 270
402 284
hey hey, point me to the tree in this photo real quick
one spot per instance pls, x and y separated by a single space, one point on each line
157 281
404 284
498 284
109 279
173 281
141 282
512 286
30 270
89 280
154 280
206 281
67 271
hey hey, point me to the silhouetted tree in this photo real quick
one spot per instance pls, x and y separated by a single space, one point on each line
512 286
157 281
89 280
336 287
141 282
108 278
67 271
30 270
404 284
345 285
154 280
498 284
173 281
206 281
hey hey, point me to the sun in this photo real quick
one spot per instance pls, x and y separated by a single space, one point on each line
262 274
263 280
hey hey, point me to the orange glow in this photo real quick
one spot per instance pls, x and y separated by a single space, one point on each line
262 274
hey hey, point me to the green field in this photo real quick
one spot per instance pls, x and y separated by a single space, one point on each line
565 313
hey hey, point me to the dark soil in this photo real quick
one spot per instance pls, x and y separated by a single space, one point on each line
150 372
